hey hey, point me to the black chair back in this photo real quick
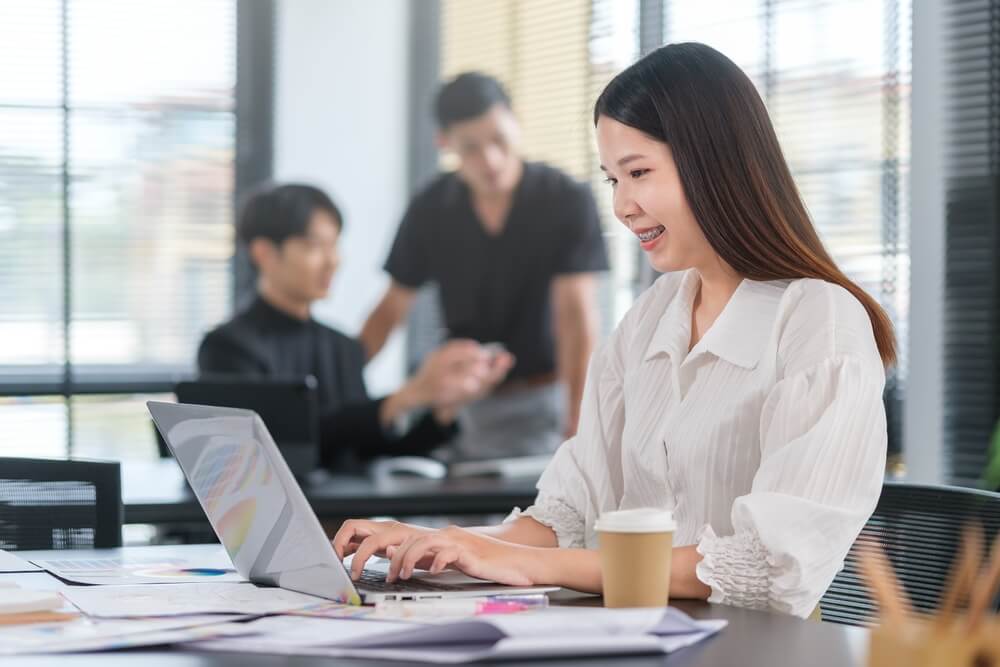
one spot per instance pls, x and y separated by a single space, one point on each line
51 504
919 527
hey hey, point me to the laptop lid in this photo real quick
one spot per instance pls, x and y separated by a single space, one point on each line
251 498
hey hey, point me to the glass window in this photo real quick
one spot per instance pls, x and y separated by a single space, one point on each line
836 79
117 161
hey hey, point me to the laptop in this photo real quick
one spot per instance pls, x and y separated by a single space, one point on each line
289 407
262 518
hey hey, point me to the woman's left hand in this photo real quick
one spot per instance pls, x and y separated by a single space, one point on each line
472 553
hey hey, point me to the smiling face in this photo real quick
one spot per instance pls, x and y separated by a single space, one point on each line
649 198
486 147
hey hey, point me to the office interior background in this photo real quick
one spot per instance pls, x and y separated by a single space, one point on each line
129 130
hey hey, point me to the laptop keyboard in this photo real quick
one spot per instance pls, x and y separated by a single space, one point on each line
373 580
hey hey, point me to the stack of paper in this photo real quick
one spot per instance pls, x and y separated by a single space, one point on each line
555 632
146 615
87 635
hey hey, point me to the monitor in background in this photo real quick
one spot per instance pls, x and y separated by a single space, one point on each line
289 408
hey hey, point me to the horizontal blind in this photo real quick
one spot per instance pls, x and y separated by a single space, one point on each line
538 49
840 99
32 153
972 276
117 148
836 79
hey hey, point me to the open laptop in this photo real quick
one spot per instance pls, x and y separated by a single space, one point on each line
263 519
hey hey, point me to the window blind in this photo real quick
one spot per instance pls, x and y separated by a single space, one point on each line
116 185
117 152
972 277
835 76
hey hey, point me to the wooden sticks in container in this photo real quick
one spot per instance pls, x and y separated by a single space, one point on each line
949 638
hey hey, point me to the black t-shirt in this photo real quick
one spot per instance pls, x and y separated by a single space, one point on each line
497 288
264 342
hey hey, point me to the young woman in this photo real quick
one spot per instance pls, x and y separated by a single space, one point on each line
743 390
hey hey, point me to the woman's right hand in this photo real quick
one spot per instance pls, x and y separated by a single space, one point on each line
365 539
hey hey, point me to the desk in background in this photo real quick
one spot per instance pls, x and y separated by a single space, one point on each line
155 493
752 638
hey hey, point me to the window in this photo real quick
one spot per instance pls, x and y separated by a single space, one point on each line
117 154
836 80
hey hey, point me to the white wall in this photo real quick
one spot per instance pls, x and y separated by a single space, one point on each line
923 423
341 124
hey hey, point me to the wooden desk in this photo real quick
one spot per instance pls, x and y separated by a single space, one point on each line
752 638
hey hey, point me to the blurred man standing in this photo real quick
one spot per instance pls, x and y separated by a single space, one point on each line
514 247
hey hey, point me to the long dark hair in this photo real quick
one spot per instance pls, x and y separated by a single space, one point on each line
731 167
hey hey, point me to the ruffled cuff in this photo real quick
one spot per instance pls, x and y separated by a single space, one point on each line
736 568
560 517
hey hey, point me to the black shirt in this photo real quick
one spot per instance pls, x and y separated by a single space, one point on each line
263 341
496 288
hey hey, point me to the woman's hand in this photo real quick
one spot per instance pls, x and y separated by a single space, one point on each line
365 539
472 553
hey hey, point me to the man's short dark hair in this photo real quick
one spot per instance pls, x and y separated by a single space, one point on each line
468 96
280 212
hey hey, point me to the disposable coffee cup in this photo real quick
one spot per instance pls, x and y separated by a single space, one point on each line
635 549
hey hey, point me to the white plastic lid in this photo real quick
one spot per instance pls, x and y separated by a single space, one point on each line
642 520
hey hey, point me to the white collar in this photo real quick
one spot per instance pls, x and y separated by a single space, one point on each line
739 333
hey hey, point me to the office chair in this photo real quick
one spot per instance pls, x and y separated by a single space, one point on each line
919 527
52 504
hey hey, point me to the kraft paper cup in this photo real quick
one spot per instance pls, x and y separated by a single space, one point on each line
635 549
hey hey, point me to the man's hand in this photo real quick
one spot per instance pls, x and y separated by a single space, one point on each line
460 372
455 374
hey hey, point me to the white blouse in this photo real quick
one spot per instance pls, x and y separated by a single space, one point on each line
767 440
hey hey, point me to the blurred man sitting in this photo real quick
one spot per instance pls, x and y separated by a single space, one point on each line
291 233
515 248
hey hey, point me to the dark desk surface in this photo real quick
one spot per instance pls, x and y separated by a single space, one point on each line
154 492
752 639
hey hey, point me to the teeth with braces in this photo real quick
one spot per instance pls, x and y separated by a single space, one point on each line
651 234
